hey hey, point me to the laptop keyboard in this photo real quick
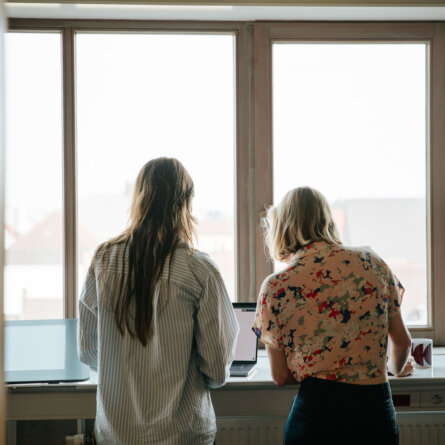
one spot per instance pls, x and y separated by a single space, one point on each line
237 366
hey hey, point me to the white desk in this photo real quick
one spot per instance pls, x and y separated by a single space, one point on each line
252 407
253 396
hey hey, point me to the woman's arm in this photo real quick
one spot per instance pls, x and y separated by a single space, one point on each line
267 328
399 347
278 367
216 331
87 329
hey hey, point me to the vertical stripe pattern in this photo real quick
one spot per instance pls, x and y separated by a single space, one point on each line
159 394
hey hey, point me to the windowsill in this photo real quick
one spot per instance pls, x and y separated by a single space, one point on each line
261 377
439 350
434 375
239 397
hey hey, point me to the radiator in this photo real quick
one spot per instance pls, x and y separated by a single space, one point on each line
250 430
416 428
421 427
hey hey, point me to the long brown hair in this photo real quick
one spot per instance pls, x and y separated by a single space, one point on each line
160 219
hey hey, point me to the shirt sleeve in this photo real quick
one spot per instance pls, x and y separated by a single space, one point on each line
396 291
216 331
266 325
87 329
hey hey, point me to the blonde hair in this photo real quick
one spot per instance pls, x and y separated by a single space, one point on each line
302 217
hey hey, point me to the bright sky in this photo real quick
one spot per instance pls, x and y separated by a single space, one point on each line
349 119
33 126
343 114
138 97
144 96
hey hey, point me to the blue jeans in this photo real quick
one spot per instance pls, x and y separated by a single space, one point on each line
329 413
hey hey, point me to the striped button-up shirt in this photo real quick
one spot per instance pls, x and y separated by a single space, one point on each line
159 394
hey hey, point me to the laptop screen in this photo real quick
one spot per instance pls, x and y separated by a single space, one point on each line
42 351
247 344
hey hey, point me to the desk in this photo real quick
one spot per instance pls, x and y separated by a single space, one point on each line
78 400
253 400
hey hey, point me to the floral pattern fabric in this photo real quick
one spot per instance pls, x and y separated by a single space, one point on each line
329 310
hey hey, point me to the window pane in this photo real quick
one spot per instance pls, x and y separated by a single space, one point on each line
349 120
34 252
141 96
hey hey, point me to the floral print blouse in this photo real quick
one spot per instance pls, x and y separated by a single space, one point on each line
329 310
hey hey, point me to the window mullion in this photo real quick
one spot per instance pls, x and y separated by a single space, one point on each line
244 242
69 177
263 144
437 183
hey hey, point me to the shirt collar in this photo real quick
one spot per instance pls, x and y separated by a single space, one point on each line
310 249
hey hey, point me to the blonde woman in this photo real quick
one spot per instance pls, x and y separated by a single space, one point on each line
155 321
325 320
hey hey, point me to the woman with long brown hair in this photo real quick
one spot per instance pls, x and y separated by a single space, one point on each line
155 321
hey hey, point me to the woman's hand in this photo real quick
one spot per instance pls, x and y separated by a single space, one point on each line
408 368
399 346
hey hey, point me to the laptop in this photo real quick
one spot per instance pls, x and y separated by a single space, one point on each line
246 352
42 351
